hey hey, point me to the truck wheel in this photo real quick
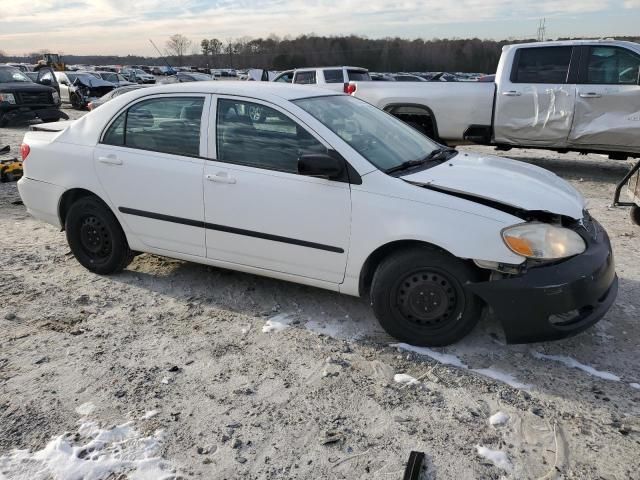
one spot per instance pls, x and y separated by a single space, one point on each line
75 101
635 215
419 297
96 238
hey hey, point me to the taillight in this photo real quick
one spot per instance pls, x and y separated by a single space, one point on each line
24 151
350 88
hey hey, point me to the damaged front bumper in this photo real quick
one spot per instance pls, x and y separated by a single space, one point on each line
551 302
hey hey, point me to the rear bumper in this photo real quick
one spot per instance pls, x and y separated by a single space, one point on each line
556 301
41 199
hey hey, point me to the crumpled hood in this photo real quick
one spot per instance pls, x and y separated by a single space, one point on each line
506 181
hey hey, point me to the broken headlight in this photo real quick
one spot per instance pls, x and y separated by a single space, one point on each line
8 97
542 241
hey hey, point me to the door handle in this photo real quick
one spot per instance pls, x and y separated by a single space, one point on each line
221 177
110 160
590 95
511 93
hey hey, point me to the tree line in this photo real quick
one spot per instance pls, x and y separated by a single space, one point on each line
275 53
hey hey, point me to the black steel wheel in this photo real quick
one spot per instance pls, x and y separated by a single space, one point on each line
419 297
95 237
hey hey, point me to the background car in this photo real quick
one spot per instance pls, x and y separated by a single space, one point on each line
79 89
116 78
138 76
116 92
181 77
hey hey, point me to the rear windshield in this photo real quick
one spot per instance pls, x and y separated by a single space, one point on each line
358 75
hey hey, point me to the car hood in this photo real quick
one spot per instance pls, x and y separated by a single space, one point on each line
505 181
9 87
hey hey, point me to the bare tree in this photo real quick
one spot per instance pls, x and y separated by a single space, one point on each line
178 45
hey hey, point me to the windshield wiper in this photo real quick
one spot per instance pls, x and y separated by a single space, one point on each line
438 155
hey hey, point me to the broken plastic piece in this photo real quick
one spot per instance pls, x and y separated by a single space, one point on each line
414 466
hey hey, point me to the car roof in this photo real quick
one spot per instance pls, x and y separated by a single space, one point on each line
241 88
304 69
571 43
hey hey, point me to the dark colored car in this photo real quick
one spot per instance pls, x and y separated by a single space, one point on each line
21 99
113 94
117 79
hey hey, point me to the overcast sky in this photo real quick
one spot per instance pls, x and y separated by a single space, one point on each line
124 26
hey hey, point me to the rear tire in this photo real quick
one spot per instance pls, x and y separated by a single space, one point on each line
96 238
419 297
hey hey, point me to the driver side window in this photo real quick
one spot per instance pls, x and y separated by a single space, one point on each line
612 66
259 136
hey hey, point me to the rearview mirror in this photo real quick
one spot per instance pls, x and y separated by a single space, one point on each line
321 165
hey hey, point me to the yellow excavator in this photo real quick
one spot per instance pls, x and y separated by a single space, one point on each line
53 61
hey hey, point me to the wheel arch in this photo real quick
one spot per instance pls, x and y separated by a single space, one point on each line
69 197
423 109
374 259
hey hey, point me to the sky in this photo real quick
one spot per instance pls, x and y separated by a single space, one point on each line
121 27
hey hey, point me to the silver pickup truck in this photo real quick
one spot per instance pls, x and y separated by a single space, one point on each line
571 95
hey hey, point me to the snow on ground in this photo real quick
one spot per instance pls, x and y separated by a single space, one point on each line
499 458
405 379
149 414
503 377
498 418
93 453
85 409
444 358
570 362
278 323
635 385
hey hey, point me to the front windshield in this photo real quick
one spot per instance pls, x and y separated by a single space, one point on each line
379 137
200 76
8 75
140 72
110 77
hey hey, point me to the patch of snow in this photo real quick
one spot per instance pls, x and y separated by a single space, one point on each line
497 457
85 409
572 363
149 414
444 358
503 377
635 385
95 454
405 379
498 418
278 323
165 380
245 329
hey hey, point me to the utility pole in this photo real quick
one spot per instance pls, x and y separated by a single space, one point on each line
542 29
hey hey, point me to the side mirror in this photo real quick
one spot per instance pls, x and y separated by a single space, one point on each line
321 165
46 81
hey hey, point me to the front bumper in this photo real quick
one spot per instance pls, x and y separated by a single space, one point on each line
46 113
556 301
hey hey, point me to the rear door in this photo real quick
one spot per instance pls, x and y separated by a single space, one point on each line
608 99
334 79
150 163
535 101
259 211
305 77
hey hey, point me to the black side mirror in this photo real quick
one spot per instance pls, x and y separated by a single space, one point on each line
46 81
321 165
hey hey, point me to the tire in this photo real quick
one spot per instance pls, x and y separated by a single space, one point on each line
635 215
403 281
96 238
75 101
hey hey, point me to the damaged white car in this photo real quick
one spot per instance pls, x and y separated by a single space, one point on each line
324 190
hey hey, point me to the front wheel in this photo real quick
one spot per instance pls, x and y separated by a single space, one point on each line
96 238
419 297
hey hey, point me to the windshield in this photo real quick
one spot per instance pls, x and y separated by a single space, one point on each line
200 76
140 72
110 77
8 75
379 137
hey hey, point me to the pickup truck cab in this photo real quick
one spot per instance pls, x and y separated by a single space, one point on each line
334 78
579 95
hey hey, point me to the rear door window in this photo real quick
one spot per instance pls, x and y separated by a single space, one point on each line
358 75
612 66
541 65
167 125
333 76
305 78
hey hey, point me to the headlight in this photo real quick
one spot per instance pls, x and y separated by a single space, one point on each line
8 97
542 241
56 97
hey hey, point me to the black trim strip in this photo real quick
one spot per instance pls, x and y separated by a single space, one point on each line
223 228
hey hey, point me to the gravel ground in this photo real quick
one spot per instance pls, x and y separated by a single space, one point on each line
178 370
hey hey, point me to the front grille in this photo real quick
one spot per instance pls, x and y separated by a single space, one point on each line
35 98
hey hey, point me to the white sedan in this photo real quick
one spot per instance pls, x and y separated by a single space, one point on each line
324 189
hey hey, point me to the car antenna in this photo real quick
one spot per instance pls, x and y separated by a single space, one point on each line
162 56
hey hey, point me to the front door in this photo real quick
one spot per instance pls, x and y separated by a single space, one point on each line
150 164
259 211
534 102
608 100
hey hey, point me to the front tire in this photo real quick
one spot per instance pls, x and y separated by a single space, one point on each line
96 238
419 297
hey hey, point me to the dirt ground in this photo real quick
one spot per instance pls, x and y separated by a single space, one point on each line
178 370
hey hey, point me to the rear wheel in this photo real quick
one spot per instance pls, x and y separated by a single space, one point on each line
419 297
96 238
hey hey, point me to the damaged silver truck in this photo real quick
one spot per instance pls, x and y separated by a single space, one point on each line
579 95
